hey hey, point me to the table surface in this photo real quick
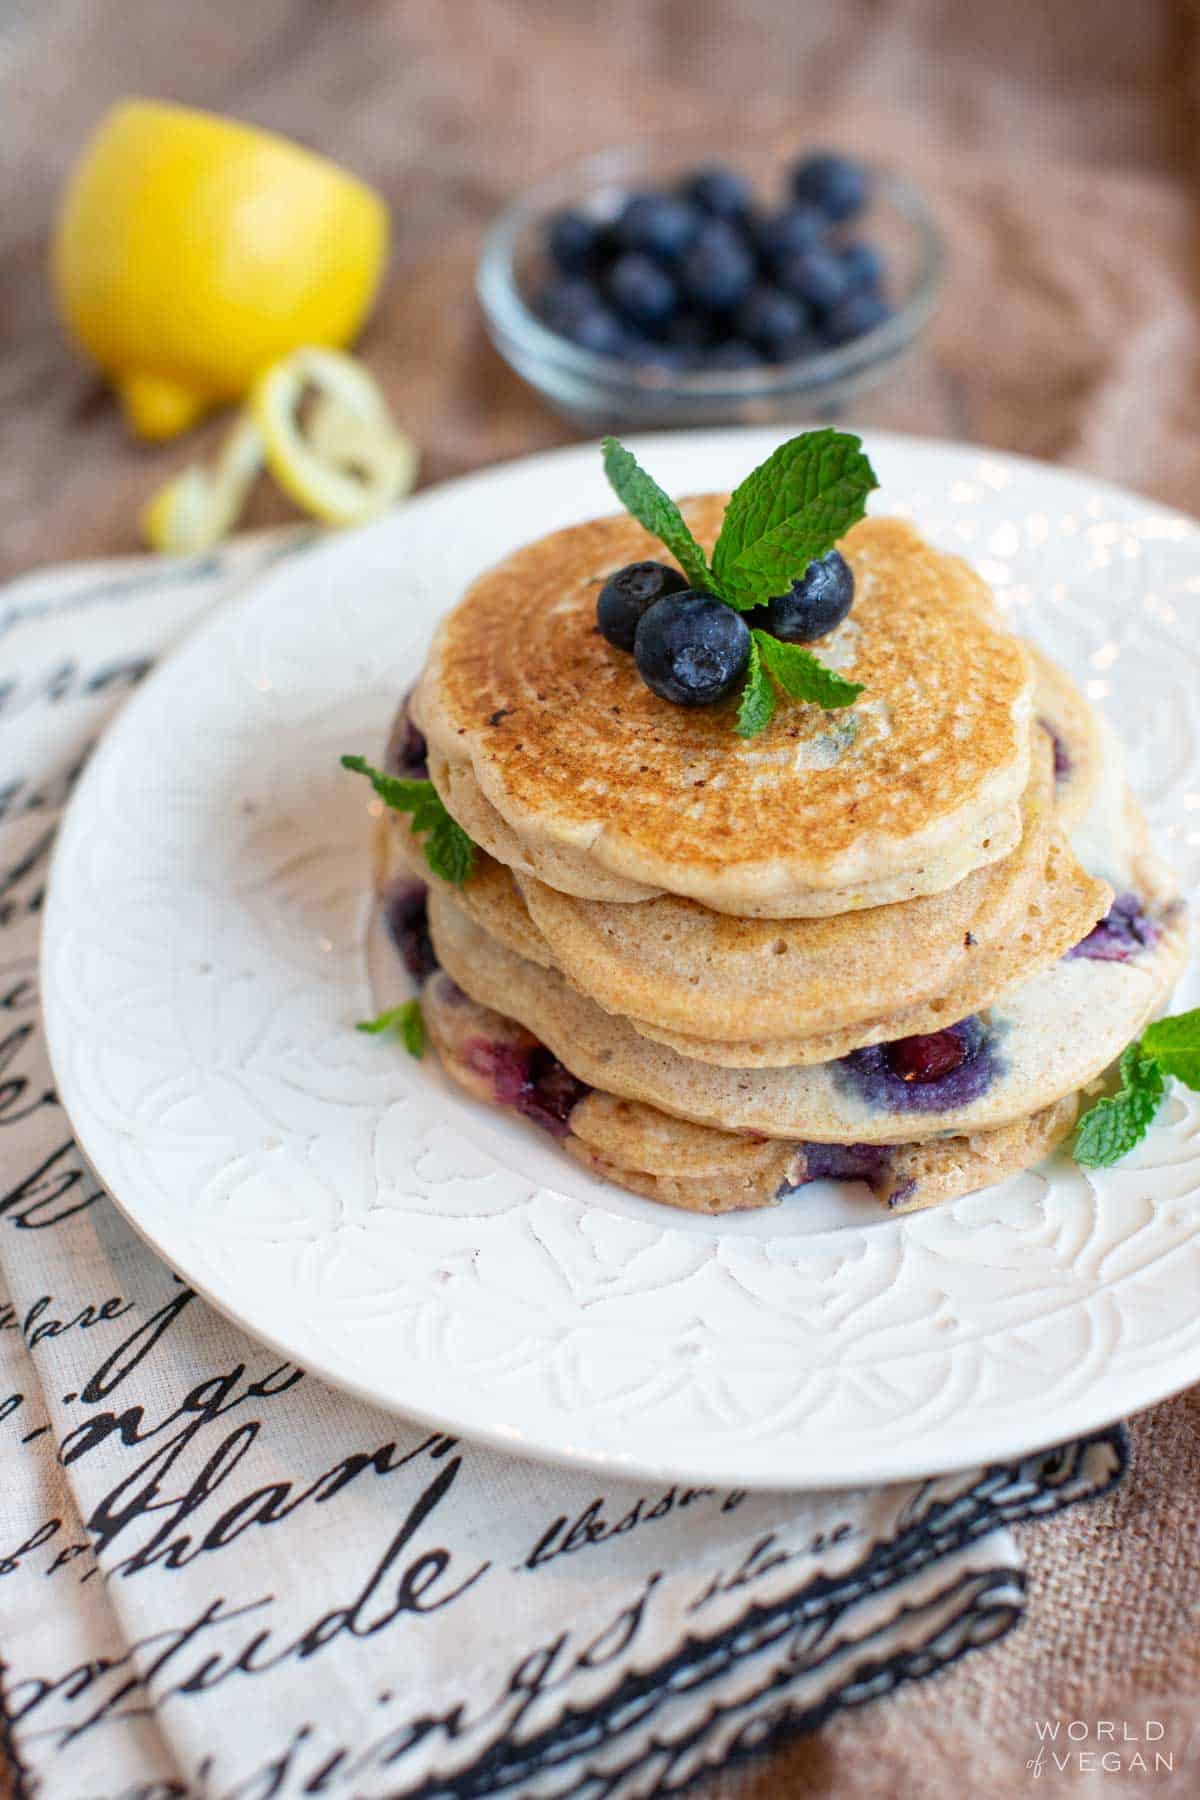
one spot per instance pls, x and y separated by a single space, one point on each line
1057 143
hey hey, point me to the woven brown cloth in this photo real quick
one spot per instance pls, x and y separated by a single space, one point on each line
1059 143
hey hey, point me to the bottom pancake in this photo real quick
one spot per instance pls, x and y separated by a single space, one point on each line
696 1167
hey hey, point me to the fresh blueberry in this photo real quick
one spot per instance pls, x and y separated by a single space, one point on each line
664 359
626 595
854 316
658 225
572 240
689 330
794 349
408 926
717 271
407 752
813 605
642 291
691 648
863 264
818 277
732 355
834 184
788 233
769 317
574 309
566 300
720 192
600 332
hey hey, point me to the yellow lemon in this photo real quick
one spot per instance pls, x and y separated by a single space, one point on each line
191 252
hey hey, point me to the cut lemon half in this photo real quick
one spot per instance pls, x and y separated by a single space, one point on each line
192 251
344 461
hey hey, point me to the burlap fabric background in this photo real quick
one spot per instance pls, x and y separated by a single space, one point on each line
1059 142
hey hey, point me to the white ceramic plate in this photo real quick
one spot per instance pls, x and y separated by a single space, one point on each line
204 966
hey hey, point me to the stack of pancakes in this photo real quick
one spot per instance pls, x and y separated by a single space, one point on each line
891 942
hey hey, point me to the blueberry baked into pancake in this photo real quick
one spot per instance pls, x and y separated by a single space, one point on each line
740 844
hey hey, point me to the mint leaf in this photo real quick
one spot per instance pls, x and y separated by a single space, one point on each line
1175 1046
1114 1125
791 510
803 675
798 672
643 497
406 1020
400 795
757 708
448 850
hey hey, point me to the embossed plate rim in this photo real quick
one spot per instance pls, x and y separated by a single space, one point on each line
733 1427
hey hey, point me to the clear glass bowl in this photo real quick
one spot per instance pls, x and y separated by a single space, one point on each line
604 392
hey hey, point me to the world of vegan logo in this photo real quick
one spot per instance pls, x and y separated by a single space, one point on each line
1096 1746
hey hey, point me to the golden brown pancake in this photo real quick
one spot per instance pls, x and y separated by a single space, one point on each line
573 751
567 869
574 872
1056 915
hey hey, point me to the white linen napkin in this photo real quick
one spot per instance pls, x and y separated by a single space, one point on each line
220 1579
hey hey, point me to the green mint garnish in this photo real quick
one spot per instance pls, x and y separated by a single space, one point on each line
406 1020
803 675
1175 1046
448 850
656 511
1115 1124
789 512
757 708
798 672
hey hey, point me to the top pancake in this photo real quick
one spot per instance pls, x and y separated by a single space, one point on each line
573 752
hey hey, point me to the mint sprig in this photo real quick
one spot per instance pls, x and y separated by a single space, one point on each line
406 1021
1113 1125
757 707
803 675
640 495
1175 1046
788 512
448 850
799 673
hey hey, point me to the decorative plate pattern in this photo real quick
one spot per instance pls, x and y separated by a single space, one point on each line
204 965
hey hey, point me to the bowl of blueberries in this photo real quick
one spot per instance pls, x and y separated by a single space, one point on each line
645 288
